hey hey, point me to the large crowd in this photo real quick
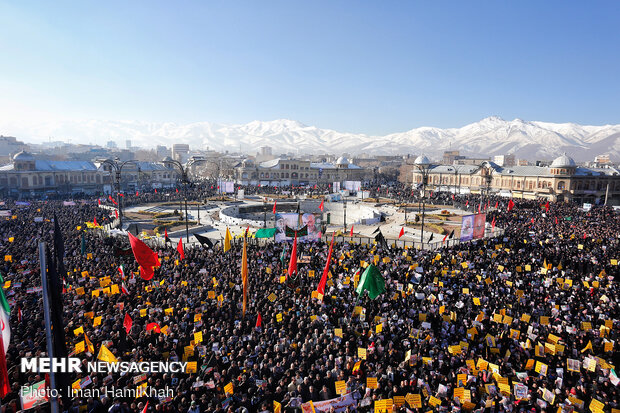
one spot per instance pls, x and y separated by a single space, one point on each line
525 322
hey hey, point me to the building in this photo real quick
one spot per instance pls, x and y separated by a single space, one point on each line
162 152
563 180
180 152
128 144
111 145
450 156
284 172
33 177
10 145
504 160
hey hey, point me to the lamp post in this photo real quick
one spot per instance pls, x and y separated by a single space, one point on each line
423 164
488 178
185 181
344 199
117 168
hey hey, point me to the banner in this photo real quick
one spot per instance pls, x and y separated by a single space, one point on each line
226 187
479 224
339 404
353 186
467 227
291 220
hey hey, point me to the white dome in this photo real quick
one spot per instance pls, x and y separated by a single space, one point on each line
563 161
23 156
342 161
422 160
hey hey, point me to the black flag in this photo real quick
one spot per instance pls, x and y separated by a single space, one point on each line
381 240
431 238
451 234
204 240
377 230
301 232
56 270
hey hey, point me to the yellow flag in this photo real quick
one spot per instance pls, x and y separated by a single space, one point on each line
106 355
227 239
89 345
588 347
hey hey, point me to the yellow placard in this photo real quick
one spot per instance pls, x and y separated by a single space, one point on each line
371 382
228 389
341 387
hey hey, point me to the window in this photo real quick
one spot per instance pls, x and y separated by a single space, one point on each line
561 185
25 182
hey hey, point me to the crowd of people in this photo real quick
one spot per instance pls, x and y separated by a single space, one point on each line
525 322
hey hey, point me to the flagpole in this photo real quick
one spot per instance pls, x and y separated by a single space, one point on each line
48 323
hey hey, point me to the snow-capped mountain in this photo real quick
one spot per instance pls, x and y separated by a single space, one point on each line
490 136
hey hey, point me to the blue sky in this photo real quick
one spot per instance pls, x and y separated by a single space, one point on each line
358 66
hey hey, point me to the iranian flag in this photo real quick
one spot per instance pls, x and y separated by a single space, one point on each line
121 269
5 315
34 395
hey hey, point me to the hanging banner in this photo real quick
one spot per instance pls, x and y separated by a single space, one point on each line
311 222
467 227
479 223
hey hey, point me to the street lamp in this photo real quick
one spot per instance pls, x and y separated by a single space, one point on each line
185 181
424 166
489 178
117 167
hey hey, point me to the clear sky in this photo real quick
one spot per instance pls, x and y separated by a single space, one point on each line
357 66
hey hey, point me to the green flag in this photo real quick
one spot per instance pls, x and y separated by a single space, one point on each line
372 281
265 233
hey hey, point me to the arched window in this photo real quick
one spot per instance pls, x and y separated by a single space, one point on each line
561 185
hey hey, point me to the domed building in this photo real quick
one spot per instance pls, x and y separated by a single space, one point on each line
562 180
284 172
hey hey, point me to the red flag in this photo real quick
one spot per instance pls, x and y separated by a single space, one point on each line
153 326
351 231
5 384
146 406
467 203
532 220
116 213
444 238
127 323
98 201
510 205
479 205
493 225
547 207
112 199
19 314
177 189
259 320
292 265
556 220
496 204
95 221
180 248
321 206
155 190
274 206
137 193
321 288
144 256
119 194
402 232
585 235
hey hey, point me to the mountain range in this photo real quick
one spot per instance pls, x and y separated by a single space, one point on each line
490 136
